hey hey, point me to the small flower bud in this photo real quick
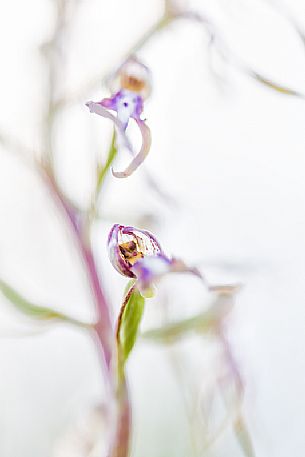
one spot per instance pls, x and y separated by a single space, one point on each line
127 245
137 254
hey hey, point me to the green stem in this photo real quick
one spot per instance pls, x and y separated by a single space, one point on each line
104 169
102 173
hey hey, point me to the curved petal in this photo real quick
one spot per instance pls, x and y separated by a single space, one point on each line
128 245
178 266
149 244
137 254
97 108
115 256
109 103
151 269
142 154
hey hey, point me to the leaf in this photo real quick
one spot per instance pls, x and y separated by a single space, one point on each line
128 323
274 86
35 311
201 323
129 285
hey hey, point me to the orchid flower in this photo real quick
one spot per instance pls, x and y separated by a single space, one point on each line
137 254
132 80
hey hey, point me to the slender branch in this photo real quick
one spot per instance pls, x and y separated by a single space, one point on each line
43 313
121 443
204 322
230 360
73 217
104 326
102 173
95 82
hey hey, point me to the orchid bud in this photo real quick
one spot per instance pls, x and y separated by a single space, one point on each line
137 254
127 245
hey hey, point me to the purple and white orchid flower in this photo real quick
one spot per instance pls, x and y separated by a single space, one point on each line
134 86
137 254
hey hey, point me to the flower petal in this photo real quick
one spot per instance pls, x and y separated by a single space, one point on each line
137 254
151 269
97 108
109 103
128 245
131 75
148 243
115 256
142 154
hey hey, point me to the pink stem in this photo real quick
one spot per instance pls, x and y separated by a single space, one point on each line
103 328
104 325
123 424
231 361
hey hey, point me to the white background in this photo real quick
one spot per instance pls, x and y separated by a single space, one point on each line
232 155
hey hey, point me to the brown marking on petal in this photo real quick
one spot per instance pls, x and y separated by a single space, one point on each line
130 252
132 83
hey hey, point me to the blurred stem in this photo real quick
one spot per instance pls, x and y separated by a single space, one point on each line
123 423
13 145
34 311
238 423
81 231
104 169
101 175
51 50
187 392
203 323
51 53
155 28
159 25
172 13
230 360
104 326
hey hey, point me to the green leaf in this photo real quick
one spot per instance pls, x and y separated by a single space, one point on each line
129 321
129 285
35 311
274 86
201 323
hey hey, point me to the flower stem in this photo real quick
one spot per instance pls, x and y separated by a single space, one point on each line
121 441
103 328
123 424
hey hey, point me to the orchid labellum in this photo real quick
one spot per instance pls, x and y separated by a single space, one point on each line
137 254
133 81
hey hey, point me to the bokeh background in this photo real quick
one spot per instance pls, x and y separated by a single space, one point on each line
230 152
